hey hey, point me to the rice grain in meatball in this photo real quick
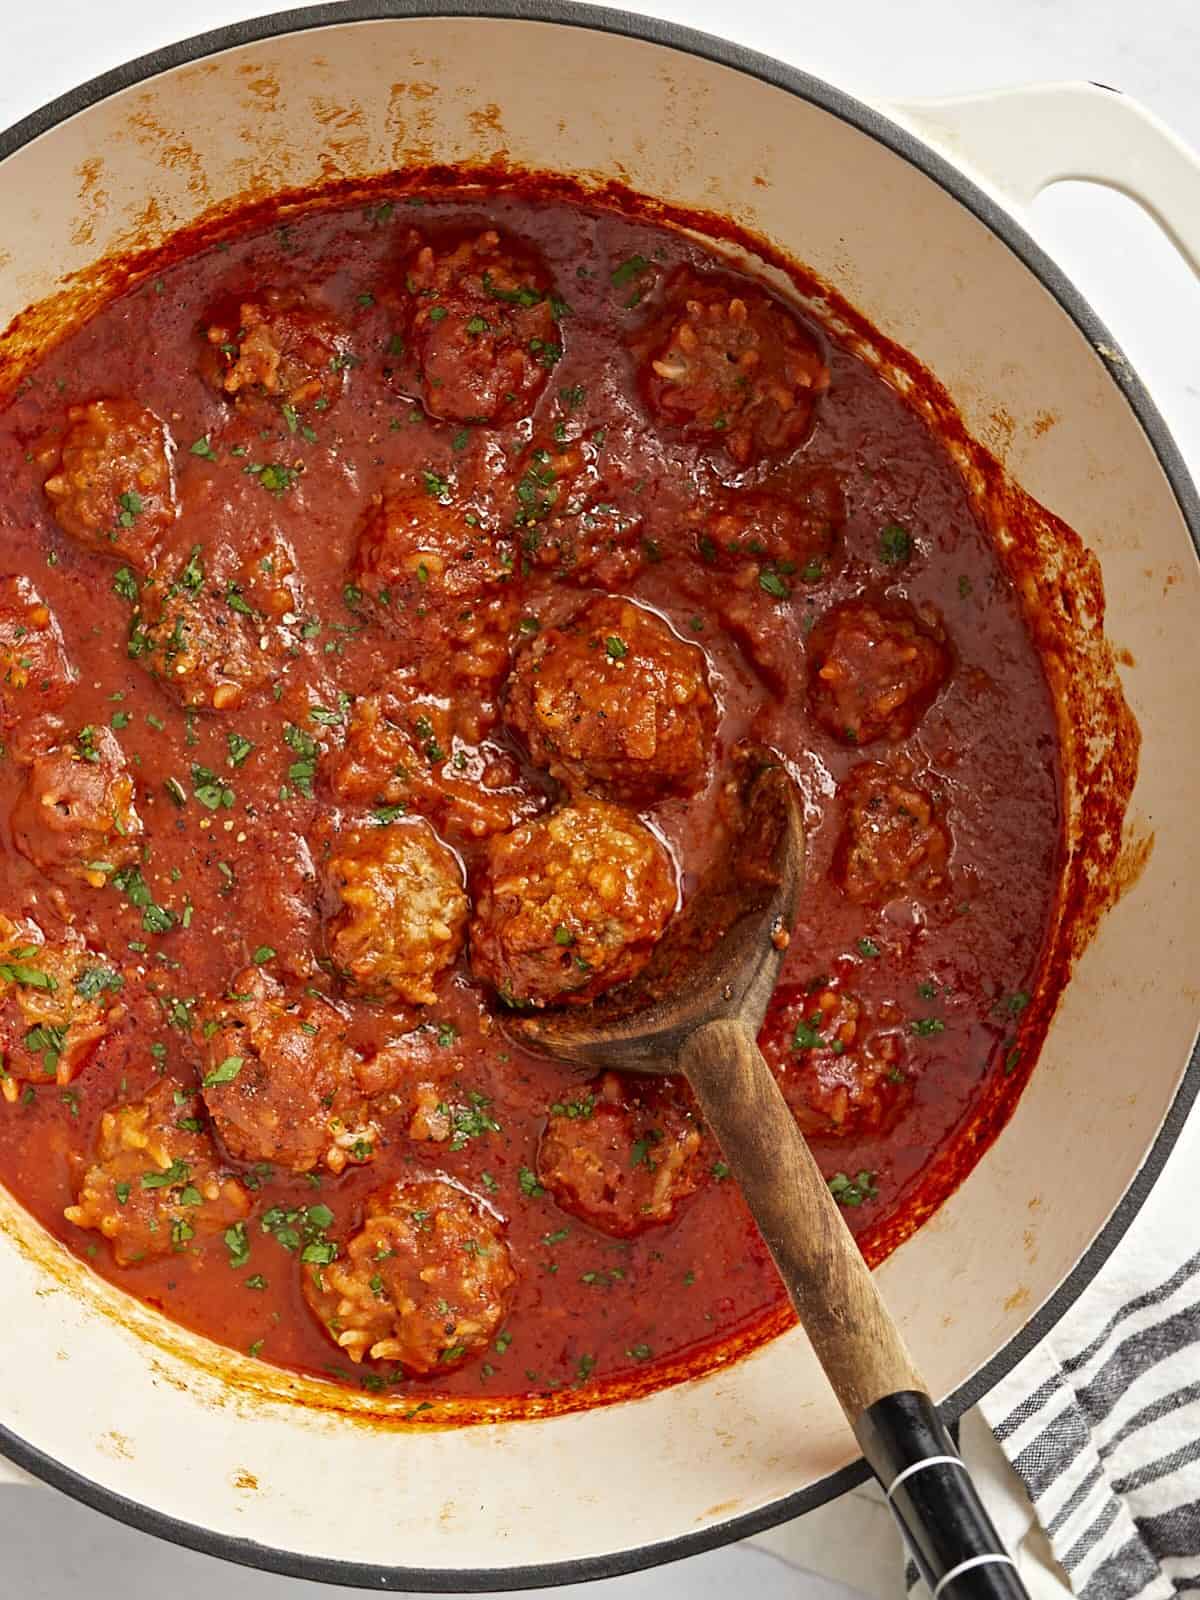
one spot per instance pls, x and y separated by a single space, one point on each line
729 365
874 670
36 674
892 841
275 344
621 1155
155 1181
481 333
279 1079
403 910
75 817
841 1078
426 1281
59 1000
570 905
430 566
112 482
614 701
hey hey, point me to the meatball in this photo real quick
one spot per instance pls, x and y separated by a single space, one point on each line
75 816
427 563
403 910
892 841
615 701
569 905
426 1281
200 647
112 483
728 365
403 753
773 543
874 670
620 1156
838 1079
35 673
154 1183
57 1002
279 1079
569 520
764 548
274 345
481 330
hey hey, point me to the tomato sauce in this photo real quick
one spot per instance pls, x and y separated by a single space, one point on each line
939 974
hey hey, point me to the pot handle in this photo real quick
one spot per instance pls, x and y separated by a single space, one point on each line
1020 141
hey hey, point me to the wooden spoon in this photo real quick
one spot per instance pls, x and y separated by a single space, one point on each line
696 1009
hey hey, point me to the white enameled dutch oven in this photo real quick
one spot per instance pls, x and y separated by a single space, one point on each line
913 214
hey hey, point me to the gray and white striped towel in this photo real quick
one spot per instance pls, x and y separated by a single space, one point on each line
1101 1421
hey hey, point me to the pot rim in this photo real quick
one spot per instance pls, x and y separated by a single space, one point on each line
866 119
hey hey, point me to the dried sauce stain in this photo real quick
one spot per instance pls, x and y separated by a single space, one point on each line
1063 601
1042 423
722 1509
244 1480
116 1445
999 432
92 200
170 148
487 120
261 85
1019 1298
1137 847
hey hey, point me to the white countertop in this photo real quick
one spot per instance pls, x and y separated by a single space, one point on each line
55 1550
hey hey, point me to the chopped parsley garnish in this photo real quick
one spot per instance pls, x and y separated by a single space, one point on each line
239 748
574 1109
471 1121
28 977
172 1177
925 1027
773 584
155 919
805 1035
225 1072
91 984
615 648
895 545
211 791
853 1191
302 1228
125 584
276 478
383 815
628 270
523 295
868 948
528 1184
238 1244
303 770
202 448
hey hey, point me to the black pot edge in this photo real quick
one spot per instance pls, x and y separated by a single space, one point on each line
674 36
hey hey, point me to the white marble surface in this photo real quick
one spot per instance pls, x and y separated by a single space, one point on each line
53 1549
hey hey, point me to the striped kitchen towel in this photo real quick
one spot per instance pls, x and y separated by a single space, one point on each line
1101 1421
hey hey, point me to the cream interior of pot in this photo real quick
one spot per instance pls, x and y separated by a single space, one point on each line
151 1414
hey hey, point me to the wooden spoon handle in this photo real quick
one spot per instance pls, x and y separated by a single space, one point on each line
895 1422
828 1281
